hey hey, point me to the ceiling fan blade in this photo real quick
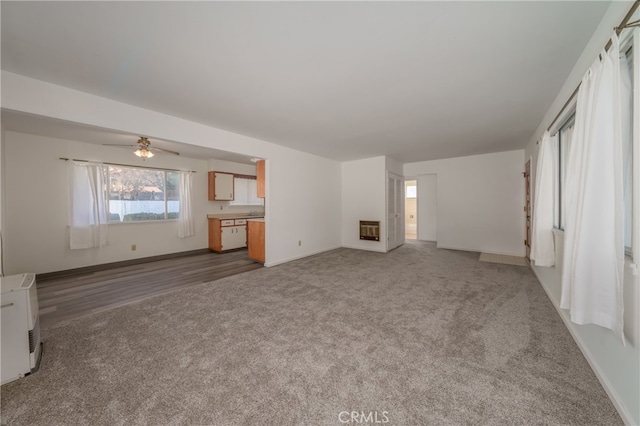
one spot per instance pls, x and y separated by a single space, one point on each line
144 143
153 148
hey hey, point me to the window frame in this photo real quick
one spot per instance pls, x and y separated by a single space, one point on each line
165 173
628 46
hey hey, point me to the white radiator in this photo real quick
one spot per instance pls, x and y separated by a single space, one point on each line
21 347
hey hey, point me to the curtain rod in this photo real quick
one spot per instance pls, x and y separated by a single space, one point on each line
623 24
128 165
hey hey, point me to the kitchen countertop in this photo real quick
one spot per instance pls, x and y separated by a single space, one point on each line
234 216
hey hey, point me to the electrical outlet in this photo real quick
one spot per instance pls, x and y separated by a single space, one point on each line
299 242
133 247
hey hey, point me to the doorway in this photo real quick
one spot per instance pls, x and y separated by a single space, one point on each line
395 205
411 210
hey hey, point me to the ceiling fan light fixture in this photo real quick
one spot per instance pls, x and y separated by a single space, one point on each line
143 153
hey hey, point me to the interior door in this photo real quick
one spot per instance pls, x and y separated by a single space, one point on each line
395 211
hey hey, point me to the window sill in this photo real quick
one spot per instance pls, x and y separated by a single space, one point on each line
628 258
142 221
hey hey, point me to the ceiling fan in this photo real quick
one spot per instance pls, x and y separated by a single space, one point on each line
145 150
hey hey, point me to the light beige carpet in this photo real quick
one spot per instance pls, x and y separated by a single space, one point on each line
419 335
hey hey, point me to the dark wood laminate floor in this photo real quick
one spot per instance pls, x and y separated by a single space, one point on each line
80 294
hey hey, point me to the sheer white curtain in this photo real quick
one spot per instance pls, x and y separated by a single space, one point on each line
186 225
542 246
592 275
89 216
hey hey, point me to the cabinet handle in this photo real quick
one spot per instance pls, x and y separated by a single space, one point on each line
8 305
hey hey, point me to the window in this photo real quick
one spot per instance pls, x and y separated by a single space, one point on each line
137 194
564 148
411 191
245 192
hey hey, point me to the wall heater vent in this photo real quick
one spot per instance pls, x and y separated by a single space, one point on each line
370 230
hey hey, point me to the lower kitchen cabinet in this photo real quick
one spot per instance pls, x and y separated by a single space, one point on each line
234 237
227 234
255 240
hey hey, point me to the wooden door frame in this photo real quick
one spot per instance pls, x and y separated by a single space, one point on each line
527 207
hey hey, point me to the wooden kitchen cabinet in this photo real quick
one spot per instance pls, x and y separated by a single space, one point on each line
221 186
227 234
260 172
255 240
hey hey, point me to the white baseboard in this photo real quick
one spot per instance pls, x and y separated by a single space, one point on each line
381 250
627 418
289 259
503 253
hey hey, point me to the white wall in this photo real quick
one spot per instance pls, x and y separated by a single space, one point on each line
617 367
363 198
303 205
428 207
303 190
394 166
480 201
231 167
37 195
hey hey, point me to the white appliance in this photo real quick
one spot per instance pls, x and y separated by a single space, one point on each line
21 347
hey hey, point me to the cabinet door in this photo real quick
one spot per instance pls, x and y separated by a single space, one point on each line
215 238
220 186
255 236
234 237
260 172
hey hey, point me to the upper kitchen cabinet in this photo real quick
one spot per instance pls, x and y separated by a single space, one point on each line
220 186
261 178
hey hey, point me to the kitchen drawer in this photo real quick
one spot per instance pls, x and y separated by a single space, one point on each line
228 222
241 221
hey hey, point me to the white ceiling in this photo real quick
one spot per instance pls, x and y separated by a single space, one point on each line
343 80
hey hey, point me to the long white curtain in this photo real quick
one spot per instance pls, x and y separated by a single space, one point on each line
88 218
627 144
542 246
592 275
186 225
